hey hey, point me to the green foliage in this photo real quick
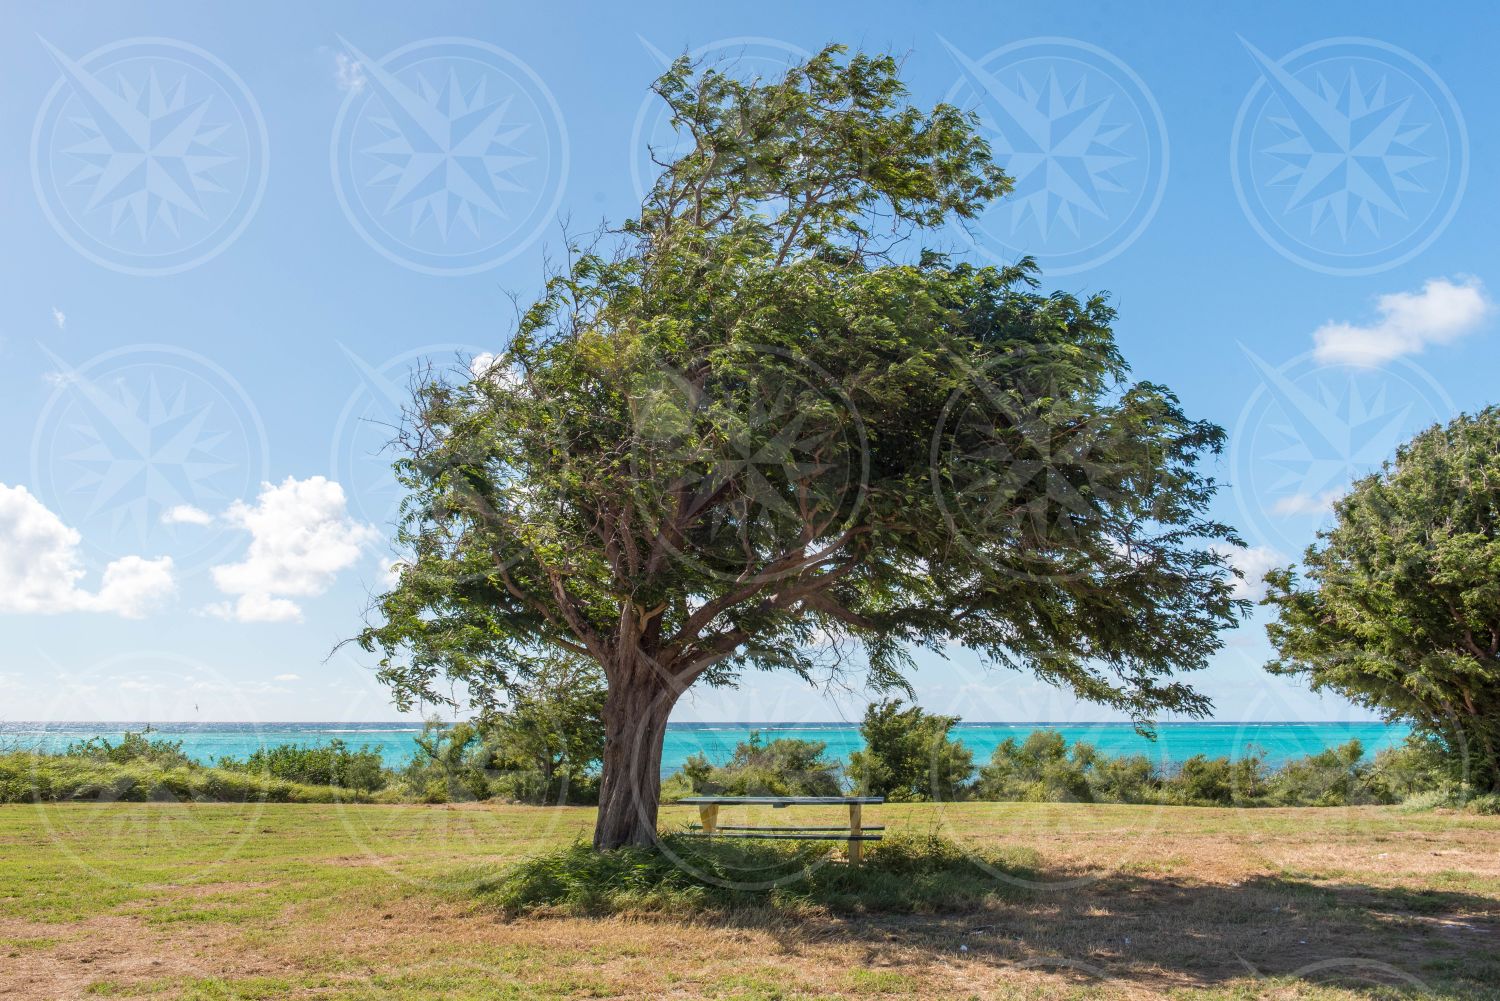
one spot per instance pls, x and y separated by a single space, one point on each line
547 742
133 747
1205 781
1400 606
1338 776
908 756
904 873
941 452
332 764
1043 768
781 767
28 777
543 746
452 764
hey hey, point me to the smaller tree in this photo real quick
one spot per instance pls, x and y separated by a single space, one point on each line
1399 609
782 767
908 757
549 740
542 745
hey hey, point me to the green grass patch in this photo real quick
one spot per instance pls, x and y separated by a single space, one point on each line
904 874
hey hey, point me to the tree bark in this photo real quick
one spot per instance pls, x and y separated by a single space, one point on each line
635 725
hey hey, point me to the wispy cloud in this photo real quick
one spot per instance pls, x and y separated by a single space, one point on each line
349 72
59 318
1441 312
1306 503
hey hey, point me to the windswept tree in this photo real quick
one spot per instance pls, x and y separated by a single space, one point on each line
1398 608
759 424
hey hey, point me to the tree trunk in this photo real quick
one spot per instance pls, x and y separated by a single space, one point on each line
635 724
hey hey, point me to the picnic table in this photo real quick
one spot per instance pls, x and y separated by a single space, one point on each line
855 834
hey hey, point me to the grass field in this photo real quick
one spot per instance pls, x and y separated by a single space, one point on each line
311 901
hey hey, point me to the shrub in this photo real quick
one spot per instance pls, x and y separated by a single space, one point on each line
908 757
333 764
1128 778
1040 769
1218 781
132 747
782 767
32 777
1338 776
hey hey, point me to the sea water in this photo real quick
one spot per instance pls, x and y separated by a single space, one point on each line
1174 743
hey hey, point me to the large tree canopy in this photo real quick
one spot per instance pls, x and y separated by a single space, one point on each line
1400 607
763 427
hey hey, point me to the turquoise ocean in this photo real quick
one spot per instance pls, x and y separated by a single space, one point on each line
1174 743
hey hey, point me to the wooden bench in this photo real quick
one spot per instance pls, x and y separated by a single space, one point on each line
855 834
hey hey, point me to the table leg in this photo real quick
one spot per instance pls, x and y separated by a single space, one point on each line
856 847
708 814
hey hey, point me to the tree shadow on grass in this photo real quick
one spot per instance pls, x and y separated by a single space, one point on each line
1160 933
923 906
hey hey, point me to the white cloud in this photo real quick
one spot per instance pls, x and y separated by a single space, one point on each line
349 72
480 364
185 514
1306 503
287 677
1440 313
1253 562
301 536
59 318
41 569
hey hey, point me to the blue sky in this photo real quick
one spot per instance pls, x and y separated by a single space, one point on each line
198 349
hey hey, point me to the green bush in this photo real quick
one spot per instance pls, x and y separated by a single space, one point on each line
1205 781
782 767
31 777
1042 768
332 764
908 756
1338 776
132 747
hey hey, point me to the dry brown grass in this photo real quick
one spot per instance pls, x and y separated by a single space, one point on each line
1129 902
